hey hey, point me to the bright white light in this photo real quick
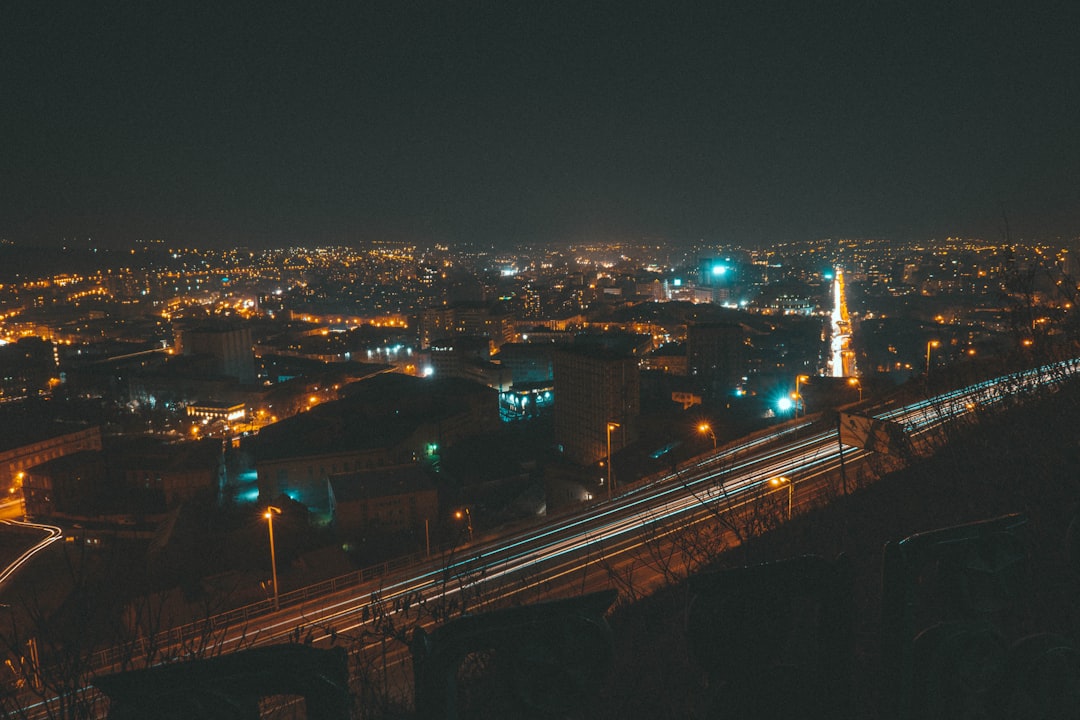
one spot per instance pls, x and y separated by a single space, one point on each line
783 404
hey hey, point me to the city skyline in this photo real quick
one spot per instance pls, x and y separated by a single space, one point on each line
435 123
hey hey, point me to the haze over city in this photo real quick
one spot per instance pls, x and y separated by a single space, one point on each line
269 124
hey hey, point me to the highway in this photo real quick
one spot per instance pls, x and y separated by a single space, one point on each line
583 551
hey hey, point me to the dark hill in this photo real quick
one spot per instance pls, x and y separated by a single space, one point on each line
1022 461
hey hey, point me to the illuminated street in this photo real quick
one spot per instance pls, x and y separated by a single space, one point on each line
842 359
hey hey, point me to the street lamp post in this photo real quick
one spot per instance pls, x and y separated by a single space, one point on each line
467 514
799 379
706 429
854 382
930 344
20 487
271 511
784 480
610 426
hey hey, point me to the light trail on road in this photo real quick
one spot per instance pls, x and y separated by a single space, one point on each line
52 534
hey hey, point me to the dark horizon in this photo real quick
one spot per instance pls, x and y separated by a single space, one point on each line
267 125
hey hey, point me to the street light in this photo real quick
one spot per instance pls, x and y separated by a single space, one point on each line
610 426
271 511
799 379
854 382
930 344
467 514
783 480
706 429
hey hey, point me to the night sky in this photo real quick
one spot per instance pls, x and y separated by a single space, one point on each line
504 122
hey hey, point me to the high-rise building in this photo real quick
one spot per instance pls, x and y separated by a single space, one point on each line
595 386
716 354
231 346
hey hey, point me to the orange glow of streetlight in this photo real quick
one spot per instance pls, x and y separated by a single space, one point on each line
799 379
854 382
269 515
929 345
610 426
706 429
780 480
467 515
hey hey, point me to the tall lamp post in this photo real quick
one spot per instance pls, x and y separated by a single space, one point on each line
610 426
930 344
854 382
271 511
706 429
799 379
783 480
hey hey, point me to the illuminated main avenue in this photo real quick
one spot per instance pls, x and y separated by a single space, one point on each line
841 358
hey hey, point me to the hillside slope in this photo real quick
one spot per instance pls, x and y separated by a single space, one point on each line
1022 461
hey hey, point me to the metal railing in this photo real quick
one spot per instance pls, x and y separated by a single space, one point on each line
180 635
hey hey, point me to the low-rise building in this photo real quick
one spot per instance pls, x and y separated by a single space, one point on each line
139 478
37 446
386 420
391 500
